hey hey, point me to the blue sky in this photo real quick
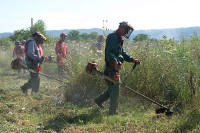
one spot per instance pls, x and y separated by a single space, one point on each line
76 14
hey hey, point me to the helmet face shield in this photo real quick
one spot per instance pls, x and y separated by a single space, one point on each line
40 39
128 33
128 29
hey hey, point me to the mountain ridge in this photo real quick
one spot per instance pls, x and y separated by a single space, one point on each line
175 33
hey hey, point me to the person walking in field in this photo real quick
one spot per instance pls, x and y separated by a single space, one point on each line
34 59
23 42
61 52
97 47
19 51
115 55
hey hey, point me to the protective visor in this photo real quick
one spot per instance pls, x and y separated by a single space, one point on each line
128 32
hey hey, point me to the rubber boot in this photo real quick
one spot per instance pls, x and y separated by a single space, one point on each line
99 103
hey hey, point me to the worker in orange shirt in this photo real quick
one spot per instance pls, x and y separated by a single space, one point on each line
61 52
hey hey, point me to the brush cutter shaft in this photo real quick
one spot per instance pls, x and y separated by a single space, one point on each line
106 77
151 100
33 71
50 77
115 82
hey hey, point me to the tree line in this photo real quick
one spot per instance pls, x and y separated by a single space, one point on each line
40 26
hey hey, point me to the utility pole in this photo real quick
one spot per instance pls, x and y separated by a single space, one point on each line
105 29
31 22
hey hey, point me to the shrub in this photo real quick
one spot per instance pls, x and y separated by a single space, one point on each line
5 42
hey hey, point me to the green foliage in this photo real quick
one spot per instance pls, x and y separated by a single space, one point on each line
23 34
39 26
153 40
167 44
20 35
85 36
140 37
50 40
6 42
168 74
93 35
74 35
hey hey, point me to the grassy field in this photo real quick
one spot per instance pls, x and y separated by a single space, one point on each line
168 74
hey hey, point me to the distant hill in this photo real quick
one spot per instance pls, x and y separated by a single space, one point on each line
55 33
6 34
175 33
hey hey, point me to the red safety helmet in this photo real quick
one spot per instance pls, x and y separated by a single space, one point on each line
63 34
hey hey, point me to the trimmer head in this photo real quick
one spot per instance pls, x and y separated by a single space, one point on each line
167 111
15 64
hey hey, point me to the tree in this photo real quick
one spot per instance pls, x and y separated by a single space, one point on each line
5 42
20 35
74 35
85 36
140 37
93 35
39 26
23 34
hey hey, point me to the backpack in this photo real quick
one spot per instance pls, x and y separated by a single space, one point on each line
26 46
19 50
26 49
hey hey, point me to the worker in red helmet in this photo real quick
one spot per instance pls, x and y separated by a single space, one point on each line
19 51
61 51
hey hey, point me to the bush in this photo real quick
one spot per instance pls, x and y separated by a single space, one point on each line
5 42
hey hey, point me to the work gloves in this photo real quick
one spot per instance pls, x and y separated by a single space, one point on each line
41 59
117 65
136 61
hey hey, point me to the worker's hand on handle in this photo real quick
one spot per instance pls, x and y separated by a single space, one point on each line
46 58
41 59
117 66
136 61
58 56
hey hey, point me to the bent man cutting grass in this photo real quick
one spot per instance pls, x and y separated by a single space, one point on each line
115 55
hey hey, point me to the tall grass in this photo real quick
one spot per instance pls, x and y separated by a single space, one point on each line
170 71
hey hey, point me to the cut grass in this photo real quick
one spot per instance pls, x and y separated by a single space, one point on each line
56 109
42 113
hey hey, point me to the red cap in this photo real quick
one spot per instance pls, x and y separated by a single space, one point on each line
63 34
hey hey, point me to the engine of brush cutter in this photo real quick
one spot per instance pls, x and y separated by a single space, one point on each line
91 66
15 64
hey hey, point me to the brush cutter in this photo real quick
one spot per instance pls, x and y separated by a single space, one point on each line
17 63
92 68
50 60
61 63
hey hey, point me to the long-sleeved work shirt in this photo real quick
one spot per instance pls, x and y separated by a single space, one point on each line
114 49
34 52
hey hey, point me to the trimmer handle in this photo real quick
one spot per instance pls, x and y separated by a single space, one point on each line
130 71
119 63
134 66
